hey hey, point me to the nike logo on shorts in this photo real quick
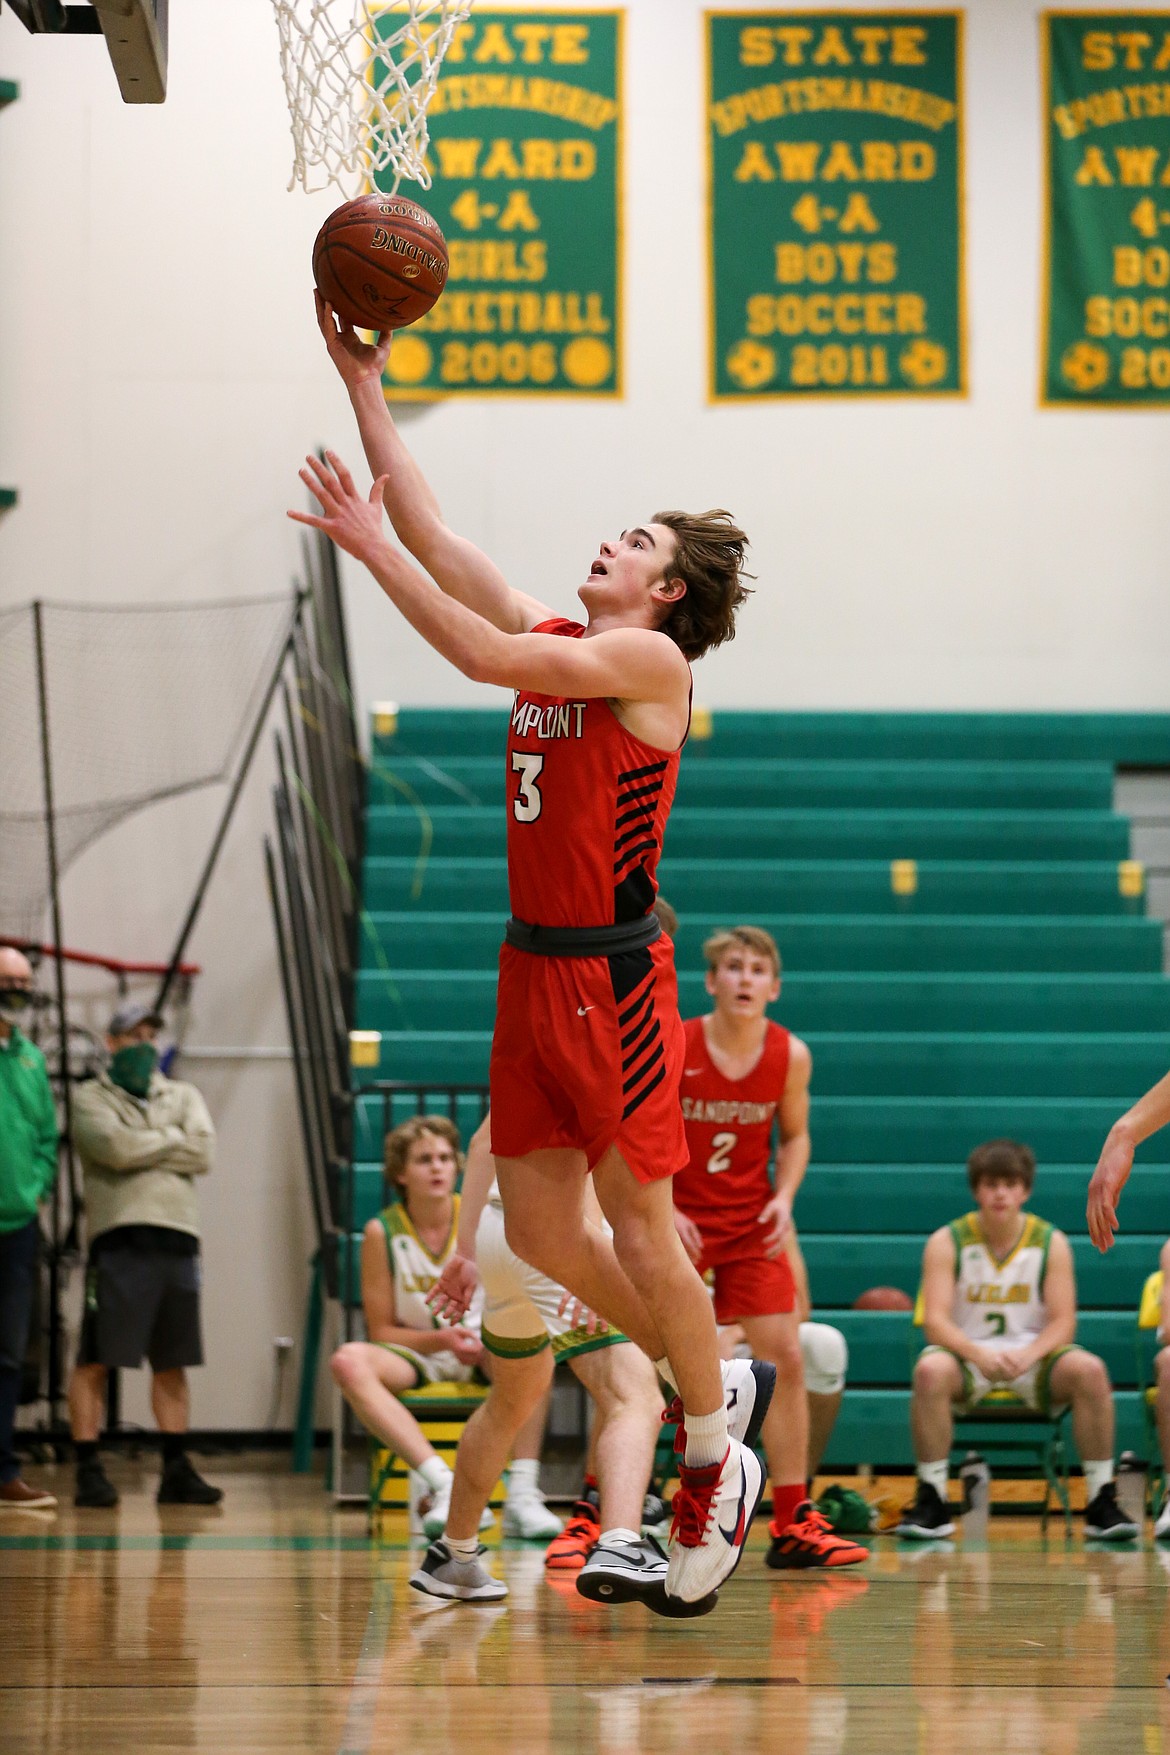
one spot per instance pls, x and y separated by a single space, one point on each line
691 1072
582 1009
734 1536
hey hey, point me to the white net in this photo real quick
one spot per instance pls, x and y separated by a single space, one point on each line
358 78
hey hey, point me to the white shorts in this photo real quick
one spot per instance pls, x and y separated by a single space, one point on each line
433 1367
1029 1390
521 1312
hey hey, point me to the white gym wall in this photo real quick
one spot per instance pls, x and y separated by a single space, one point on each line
161 376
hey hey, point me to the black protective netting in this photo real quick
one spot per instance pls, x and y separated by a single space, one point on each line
143 701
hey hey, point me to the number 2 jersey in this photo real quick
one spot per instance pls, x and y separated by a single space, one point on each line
1000 1299
587 808
729 1125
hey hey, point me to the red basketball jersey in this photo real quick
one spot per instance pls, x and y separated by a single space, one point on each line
729 1136
587 807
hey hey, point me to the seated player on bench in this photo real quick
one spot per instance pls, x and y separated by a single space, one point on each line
823 1350
404 1251
1000 1315
742 1076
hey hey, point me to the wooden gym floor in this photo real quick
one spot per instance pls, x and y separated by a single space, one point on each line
273 1625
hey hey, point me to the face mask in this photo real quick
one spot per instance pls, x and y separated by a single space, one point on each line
14 1003
131 1067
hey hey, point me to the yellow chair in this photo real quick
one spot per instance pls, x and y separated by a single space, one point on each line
1148 1341
1001 1408
442 1410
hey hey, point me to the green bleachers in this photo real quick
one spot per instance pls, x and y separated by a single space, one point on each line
479 830
990 943
810 886
1006 981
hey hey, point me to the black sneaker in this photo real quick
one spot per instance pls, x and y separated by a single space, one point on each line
928 1518
182 1484
655 1515
94 1487
1105 1521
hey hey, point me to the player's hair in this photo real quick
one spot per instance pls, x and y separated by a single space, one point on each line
708 558
396 1150
744 938
667 918
1002 1158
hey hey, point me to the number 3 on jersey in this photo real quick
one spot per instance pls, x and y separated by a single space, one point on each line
526 807
723 1144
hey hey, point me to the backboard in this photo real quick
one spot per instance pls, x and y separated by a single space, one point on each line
135 33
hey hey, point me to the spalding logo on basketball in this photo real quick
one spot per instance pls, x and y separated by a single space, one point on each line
380 261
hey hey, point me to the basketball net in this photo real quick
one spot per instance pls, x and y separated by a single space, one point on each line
358 78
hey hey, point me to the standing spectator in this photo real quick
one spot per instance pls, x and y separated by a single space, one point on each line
28 1165
142 1138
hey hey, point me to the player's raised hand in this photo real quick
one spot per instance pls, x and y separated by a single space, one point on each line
357 361
777 1216
353 523
450 1296
689 1234
1105 1186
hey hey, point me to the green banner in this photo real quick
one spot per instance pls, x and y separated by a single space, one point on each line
835 170
1107 228
526 156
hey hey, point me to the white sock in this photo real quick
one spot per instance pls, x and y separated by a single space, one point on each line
935 1475
706 1439
616 1538
1097 1475
523 1477
434 1473
662 1366
461 1550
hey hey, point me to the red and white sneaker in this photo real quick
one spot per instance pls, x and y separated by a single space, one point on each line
713 1512
569 1551
747 1390
810 1540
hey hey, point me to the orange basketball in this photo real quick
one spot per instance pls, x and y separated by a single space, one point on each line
380 261
883 1298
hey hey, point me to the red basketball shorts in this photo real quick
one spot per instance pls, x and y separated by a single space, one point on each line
748 1282
588 1054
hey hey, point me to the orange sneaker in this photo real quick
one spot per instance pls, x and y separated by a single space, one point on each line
809 1540
569 1551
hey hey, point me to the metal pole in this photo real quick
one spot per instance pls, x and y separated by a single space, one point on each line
237 787
62 1023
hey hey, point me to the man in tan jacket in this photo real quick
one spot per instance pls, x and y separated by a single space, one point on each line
143 1139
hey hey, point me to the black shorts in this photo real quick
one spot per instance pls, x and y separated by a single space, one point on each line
142 1300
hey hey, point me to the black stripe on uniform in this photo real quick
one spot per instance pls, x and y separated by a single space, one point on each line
634 1102
640 773
630 854
624 1017
639 1023
633 792
647 1060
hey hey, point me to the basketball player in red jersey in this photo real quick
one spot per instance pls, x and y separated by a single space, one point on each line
588 1046
742 1072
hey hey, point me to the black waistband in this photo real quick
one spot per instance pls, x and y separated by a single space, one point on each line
582 941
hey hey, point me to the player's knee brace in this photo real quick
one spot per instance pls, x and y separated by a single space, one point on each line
826 1358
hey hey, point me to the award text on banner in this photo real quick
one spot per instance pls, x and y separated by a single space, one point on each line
525 153
835 229
1107 278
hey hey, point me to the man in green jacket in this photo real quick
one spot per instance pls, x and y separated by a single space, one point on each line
28 1166
143 1139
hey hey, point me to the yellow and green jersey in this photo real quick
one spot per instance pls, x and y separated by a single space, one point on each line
1000 1299
415 1270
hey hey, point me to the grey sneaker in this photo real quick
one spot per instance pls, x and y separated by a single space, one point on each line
635 1572
443 1574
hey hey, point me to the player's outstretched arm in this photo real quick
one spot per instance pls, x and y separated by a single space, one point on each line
1148 1114
456 565
632 664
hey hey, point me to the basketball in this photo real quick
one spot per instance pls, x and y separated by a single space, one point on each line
380 261
883 1298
